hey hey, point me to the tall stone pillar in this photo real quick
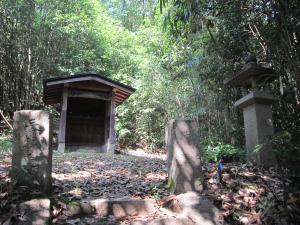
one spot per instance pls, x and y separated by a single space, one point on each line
183 157
32 152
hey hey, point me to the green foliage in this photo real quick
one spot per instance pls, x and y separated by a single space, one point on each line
5 141
132 13
281 144
155 191
5 145
214 150
287 151
6 133
170 184
52 111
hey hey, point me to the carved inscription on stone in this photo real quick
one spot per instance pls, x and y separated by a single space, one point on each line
33 148
32 154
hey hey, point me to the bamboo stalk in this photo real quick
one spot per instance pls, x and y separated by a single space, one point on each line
6 121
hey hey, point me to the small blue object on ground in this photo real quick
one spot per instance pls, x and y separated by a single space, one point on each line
220 170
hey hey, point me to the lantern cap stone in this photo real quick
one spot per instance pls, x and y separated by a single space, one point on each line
251 72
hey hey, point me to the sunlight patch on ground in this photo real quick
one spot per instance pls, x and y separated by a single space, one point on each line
141 153
90 175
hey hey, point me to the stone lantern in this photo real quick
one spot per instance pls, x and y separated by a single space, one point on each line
256 106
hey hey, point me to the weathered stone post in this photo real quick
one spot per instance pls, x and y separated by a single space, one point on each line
32 153
183 158
256 107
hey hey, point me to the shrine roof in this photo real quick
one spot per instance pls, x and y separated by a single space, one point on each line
53 87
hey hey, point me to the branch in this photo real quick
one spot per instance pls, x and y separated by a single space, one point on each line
211 35
258 37
6 121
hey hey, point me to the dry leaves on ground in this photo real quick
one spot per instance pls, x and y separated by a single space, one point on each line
248 195
85 176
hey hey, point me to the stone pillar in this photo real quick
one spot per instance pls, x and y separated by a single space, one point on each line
32 153
183 157
258 126
63 122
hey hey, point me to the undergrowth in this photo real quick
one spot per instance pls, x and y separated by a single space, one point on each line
214 150
5 142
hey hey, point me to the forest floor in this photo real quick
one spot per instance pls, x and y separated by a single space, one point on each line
246 194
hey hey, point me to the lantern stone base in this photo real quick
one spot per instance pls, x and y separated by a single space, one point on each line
258 126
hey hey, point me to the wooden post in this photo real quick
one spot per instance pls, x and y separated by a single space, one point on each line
112 135
107 124
63 121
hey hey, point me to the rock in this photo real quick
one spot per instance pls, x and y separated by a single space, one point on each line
32 153
113 207
124 207
183 159
73 209
244 220
180 220
198 209
87 208
101 207
226 176
35 212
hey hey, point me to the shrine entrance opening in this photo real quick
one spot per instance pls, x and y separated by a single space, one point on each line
86 124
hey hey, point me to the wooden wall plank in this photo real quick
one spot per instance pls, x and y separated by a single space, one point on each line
89 94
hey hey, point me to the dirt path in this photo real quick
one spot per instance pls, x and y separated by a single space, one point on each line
84 176
91 175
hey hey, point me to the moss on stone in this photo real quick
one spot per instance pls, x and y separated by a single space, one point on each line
170 184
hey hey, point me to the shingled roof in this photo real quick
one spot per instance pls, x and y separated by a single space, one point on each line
53 87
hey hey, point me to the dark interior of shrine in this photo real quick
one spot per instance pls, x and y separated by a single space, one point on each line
85 122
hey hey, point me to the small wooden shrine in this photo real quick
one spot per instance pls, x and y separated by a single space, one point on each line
87 116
